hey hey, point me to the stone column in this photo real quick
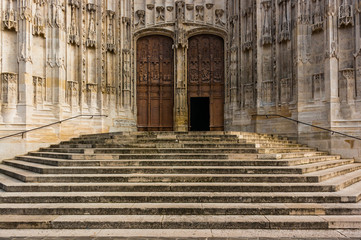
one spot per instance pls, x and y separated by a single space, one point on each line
331 61
180 48
25 80
55 54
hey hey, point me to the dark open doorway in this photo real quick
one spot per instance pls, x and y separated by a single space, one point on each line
199 114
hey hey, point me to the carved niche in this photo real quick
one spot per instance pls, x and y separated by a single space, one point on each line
10 18
9 88
39 90
219 17
248 26
200 13
347 85
160 13
38 21
284 28
92 33
317 16
26 11
179 31
285 91
126 21
248 93
318 86
345 14
141 18
233 23
56 12
304 17
110 31
74 37
267 20
72 93
92 90
267 91
180 10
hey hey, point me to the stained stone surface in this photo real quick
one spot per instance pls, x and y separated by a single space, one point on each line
61 58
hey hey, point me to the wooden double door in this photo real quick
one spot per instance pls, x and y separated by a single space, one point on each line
155 83
206 83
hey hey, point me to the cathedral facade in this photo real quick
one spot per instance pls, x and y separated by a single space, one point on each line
181 65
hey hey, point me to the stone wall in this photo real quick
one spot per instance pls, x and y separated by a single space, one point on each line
61 58
296 58
304 60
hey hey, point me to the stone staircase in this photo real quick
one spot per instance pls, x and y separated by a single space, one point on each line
169 180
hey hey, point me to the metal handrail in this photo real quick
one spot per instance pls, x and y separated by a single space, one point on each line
50 124
307 124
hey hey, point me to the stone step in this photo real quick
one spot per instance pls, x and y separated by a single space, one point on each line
182 197
27 176
179 145
45 169
179 222
151 150
181 234
180 209
78 156
178 162
182 186
174 150
173 141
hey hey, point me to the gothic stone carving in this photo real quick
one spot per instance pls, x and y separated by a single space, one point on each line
72 93
267 91
57 9
199 12
267 20
209 5
141 18
10 19
318 86
284 21
219 17
285 91
25 11
110 31
9 88
304 6
248 32
345 14
180 11
39 90
317 16
160 13
347 85
92 34
74 37
150 6
38 22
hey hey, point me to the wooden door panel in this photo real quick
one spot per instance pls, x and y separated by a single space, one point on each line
155 83
206 75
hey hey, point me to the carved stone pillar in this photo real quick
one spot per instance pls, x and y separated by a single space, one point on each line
55 53
331 61
180 48
25 38
357 54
